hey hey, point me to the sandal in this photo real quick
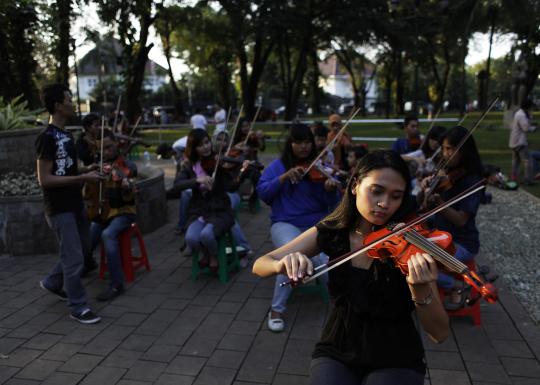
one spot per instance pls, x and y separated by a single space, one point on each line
275 324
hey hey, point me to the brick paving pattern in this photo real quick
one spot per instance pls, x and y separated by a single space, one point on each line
168 329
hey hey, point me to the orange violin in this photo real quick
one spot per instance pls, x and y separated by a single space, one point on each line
436 243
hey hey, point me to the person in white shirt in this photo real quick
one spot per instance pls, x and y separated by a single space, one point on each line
198 120
521 126
220 117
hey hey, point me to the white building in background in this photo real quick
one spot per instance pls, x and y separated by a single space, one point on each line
336 81
105 62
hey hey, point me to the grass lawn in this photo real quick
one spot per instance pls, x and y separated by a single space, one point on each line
491 138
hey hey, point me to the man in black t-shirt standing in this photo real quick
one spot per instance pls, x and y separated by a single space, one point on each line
61 183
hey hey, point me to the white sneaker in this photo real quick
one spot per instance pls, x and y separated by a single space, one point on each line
275 324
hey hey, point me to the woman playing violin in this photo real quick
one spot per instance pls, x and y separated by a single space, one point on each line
297 203
115 212
464 169
255 141
248 150
369 337
209 207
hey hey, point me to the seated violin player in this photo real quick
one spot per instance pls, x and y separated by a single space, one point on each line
463 170
412 139
114 212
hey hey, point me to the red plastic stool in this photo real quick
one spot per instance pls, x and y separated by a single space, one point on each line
130 262
467 310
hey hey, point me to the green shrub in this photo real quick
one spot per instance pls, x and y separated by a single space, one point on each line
15 114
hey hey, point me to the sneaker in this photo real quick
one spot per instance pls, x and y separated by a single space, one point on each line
110 294
86 317
61 294
276 325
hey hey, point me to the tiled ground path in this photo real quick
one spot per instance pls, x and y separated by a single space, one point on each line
167 329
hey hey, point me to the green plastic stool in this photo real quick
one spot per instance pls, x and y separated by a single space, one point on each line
245 205
227 262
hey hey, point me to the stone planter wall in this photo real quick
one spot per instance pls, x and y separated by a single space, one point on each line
24 231
151 201
17 151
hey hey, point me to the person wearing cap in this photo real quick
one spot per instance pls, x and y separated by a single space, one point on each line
342 143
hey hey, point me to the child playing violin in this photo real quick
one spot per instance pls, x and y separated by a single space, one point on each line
115 213
369 336
297 203
209 206
464 169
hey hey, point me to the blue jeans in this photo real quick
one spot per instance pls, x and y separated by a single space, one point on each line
535 160
446 281
183 208
283 233
237 233
72 232
109 233
201 234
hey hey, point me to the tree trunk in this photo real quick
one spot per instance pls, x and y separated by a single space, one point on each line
135 74
482 103
62 47
223 87
5 70
399 83
178 107
315 94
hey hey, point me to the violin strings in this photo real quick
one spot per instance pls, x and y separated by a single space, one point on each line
445 258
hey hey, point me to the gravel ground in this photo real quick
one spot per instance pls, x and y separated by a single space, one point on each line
509 231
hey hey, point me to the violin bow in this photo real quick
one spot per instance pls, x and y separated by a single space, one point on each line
135 126
101 164
234 129
348 256
116 112
331 143
221 145
227 118
431 126
462 119
251 125
444 162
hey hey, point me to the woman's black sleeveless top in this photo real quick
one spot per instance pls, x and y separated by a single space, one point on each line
370 325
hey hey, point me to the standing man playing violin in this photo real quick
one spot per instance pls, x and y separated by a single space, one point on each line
297 204
118 212
61 179
369 337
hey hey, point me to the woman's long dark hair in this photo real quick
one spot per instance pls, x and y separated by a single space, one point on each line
436 133
195 138
346 214
298 132
470 158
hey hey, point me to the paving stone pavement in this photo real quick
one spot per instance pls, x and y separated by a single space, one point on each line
168 329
